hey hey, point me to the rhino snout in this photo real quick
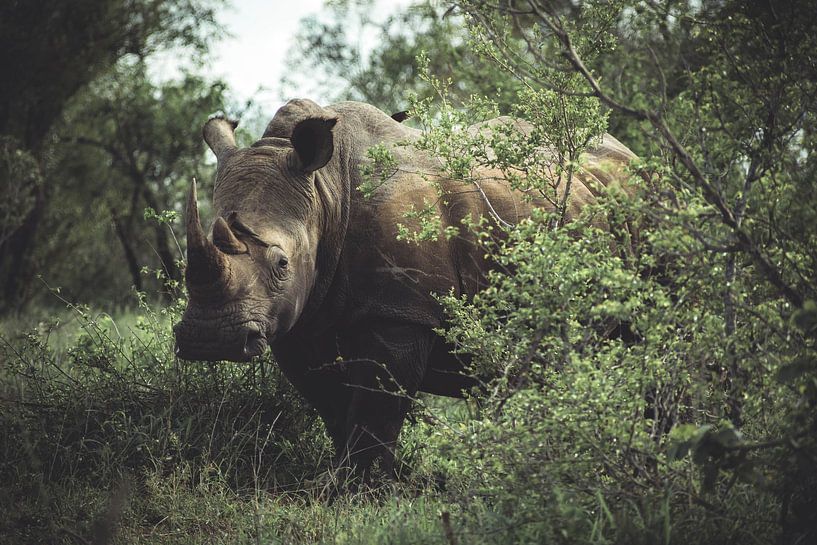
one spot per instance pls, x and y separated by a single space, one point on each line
242 344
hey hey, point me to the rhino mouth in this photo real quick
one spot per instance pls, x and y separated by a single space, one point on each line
255 344
248 342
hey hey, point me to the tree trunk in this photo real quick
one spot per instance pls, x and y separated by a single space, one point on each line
127 248
16 257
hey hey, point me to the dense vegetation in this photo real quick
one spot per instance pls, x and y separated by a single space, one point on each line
657 388
82 123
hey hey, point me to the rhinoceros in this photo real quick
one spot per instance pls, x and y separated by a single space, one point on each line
300 261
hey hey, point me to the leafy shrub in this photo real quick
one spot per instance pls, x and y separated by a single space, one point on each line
663 394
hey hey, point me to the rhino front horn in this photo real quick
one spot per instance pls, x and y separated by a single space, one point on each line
219 133
207 267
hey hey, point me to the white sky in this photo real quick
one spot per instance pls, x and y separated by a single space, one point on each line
251 60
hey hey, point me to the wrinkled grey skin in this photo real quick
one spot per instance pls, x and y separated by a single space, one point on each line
300 261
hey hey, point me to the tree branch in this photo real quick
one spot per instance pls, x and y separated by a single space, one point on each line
714 197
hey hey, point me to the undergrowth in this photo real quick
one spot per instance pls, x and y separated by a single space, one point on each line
115 409
113 440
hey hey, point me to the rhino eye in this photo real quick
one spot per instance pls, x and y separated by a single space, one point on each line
278 260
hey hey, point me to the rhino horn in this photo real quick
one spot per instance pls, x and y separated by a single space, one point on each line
225 240
219 133
207 267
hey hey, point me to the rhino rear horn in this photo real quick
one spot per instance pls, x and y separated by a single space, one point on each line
219 133
207 267
314 143
225 240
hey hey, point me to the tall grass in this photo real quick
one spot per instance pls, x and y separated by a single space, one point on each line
106 438
103 402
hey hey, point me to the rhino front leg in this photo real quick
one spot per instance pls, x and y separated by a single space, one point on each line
309 364
390 363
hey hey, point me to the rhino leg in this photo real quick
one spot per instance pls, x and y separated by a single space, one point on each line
310 366
384 378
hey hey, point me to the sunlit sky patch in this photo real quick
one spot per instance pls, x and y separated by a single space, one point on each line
251 59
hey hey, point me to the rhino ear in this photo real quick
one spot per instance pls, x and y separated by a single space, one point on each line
313 142
400 116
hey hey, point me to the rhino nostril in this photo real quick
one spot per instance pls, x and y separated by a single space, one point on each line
255 343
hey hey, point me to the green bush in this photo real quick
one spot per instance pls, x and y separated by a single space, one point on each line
654 389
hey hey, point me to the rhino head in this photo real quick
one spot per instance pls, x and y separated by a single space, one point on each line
249 281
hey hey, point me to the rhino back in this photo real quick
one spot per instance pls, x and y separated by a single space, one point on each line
394 279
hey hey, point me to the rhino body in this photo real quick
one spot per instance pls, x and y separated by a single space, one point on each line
301 261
